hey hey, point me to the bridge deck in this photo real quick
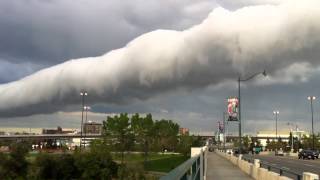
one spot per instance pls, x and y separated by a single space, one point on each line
219 168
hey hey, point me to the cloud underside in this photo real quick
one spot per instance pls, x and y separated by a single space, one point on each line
283 39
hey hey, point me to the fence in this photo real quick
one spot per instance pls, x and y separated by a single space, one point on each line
193 169
261 170
281 171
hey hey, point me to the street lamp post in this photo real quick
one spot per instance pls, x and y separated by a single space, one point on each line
224 131
276 113
311 99
291 125
239 101
82 94
85 130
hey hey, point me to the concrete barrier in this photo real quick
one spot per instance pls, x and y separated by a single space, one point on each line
256 172
273 176
284 178
262 174
310 176
255 167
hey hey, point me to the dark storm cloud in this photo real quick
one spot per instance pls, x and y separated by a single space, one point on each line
50 32
224 45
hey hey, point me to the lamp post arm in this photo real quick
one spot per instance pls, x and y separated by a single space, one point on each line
252 76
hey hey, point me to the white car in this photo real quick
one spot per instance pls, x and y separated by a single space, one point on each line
279 153
229 151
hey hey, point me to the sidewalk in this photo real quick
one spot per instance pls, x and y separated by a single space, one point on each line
220 168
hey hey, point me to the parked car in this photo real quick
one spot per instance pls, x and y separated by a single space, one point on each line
243 151
307 154
229 151
316 154
279 153
211 148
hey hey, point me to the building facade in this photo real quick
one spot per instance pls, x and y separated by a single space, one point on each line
91 127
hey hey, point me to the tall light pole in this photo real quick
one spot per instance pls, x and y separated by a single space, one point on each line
82 94
239 101
86 108
311 99
291 130
276 113
224 131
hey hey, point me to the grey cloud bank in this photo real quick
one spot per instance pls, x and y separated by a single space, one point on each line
224 45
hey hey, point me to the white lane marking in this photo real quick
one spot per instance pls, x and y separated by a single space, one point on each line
285 168
308 165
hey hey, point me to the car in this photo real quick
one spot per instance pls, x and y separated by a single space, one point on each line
229 151
316 154
243 151
211 148
279 153
307 154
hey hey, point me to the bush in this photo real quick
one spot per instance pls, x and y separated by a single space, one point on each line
14 166
98 165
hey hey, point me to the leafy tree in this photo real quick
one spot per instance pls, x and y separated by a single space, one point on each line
46 166
96 165
3 161
186 142
118 131
184 145
16 165
143 128
166 133
308 141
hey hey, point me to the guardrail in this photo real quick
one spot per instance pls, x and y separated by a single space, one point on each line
262 170
189 169
192 169
279 170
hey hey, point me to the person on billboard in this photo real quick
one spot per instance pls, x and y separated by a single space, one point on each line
233 109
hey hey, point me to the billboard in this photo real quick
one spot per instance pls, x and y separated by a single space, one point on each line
233 109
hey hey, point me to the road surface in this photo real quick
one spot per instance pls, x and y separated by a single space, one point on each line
288 163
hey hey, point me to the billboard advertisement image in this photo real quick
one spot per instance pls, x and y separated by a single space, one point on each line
233 109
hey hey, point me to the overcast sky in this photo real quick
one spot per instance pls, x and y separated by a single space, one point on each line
176 59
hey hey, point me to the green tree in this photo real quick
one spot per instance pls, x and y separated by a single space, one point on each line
16 165
246 142
118 132
166 134
186 142
96 165
308 141
143 128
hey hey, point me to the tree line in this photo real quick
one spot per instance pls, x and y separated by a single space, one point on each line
121 134
141 133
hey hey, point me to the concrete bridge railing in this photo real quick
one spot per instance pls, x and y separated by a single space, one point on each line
194 168
257 172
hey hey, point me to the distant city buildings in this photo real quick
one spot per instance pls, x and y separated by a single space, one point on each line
92 128
19 130
59 130
183 131
264 136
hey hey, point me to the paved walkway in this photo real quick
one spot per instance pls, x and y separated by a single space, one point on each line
220 168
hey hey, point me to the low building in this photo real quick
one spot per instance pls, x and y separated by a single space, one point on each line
264 136
183 131
91 127
59 130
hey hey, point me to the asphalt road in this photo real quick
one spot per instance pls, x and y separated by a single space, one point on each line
288 164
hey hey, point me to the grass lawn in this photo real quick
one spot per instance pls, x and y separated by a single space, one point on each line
165 164
156 162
